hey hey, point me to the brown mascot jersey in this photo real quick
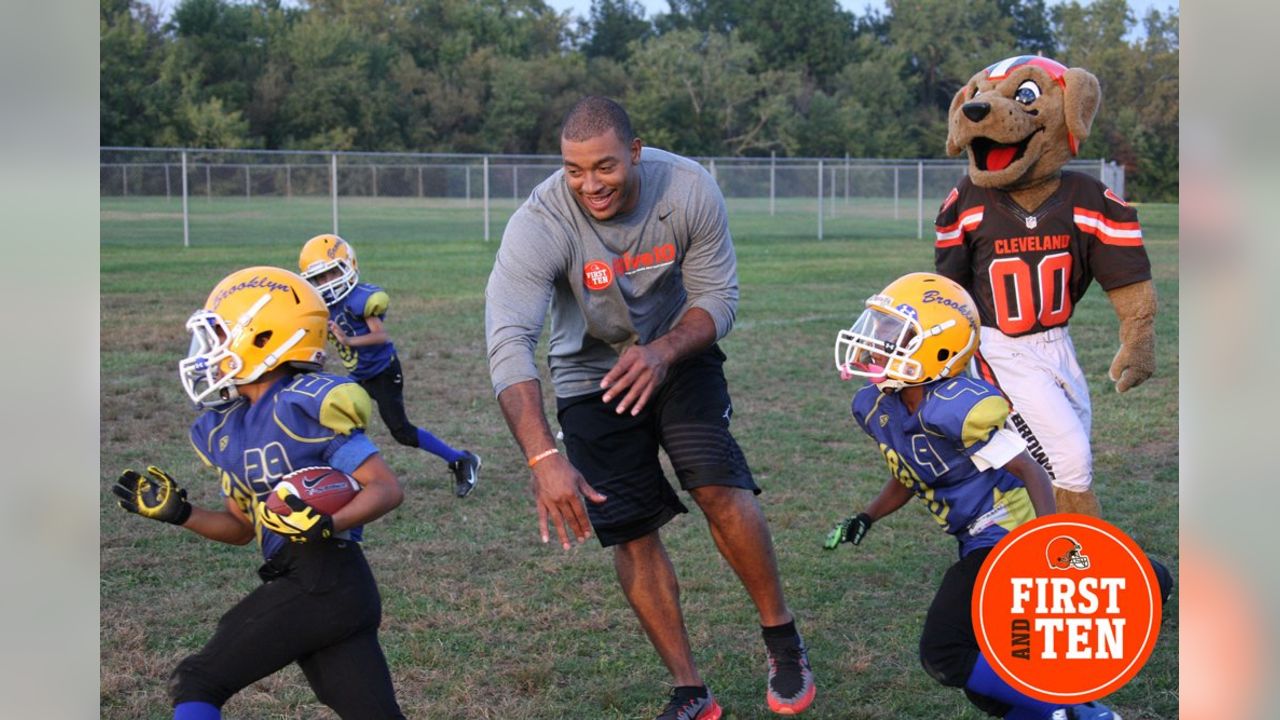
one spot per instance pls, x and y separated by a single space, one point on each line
1026 271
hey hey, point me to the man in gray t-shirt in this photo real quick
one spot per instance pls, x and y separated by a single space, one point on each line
629 248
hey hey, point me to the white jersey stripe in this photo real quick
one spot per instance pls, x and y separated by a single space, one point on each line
968 221
1106 227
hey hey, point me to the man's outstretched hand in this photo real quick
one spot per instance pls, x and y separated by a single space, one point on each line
558 489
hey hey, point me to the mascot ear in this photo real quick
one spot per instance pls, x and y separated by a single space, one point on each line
1081 99
953 148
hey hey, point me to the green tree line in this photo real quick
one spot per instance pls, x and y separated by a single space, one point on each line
708 77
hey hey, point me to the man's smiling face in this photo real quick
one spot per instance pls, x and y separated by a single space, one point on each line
602 173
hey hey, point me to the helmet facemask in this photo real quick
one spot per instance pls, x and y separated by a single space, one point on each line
879 347
210 366
333 289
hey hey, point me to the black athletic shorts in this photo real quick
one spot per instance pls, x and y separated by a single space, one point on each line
688 417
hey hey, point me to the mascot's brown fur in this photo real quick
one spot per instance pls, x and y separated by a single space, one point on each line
1022 151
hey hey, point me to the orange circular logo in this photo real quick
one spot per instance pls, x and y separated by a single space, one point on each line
597 275
1066 608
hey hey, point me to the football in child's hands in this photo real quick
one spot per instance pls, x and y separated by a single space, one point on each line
323 488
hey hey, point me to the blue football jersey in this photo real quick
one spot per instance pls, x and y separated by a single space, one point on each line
931 453
351 313
311 419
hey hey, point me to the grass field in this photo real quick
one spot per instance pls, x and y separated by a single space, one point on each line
481 620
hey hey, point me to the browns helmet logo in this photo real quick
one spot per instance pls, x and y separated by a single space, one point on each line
1064 553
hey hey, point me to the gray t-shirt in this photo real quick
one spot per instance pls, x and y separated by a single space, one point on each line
609 284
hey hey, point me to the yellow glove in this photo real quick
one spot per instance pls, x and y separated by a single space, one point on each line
156 496
303 524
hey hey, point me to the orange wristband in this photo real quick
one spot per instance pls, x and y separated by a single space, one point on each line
542 455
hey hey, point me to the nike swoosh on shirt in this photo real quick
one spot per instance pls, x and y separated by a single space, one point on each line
664 216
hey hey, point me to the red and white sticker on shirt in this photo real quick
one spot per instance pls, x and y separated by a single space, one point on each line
597 275
1066 608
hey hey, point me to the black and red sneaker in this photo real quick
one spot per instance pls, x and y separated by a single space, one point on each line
791 686
688 704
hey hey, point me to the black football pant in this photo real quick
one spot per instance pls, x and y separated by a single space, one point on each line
948 645
318 606
387 390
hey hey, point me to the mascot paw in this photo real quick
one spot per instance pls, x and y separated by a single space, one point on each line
1131 368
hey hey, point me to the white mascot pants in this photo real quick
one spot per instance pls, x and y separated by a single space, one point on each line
1043 380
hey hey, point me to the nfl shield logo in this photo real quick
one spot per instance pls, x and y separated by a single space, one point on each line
1031 223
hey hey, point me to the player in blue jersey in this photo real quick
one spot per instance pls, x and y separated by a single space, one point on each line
943 437
255 345
357 312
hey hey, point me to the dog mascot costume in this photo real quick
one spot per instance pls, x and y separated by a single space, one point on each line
1026 239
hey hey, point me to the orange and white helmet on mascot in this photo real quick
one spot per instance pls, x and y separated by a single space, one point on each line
255 320
921 328
322 254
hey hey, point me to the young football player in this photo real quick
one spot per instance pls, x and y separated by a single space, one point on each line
256 345
943 437
357 313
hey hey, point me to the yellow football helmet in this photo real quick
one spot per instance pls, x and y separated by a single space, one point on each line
256 319
321 255
922 327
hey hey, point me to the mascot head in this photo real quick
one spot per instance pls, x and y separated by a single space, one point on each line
1021 120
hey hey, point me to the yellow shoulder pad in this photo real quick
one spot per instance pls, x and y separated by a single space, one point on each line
984 418
345 408
377 304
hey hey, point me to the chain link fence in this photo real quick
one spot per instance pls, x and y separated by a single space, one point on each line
198 195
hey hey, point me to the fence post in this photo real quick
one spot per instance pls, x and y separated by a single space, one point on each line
288 180
124 178
919 199
419 181
468 184
186 217
246 182
895 192
333 188
773 165
820 171
208 182
168 195
515 181
846 178
373 171
831 211
486 198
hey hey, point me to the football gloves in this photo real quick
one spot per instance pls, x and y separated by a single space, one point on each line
154 496
303 524
849 530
